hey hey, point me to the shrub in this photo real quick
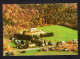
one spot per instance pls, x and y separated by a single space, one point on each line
47 34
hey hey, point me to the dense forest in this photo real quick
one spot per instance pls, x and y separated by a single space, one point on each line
23 16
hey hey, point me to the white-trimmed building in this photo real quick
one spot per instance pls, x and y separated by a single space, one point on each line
33 29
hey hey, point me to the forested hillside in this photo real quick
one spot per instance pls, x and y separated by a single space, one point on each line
23 16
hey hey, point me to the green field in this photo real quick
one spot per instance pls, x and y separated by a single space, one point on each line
36 52
60 33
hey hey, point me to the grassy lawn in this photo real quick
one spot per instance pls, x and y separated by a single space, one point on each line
9 43
28 52
56 53
60 33
35 53
12 44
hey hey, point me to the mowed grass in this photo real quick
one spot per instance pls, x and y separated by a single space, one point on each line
12 44
28 52
61 33
41 53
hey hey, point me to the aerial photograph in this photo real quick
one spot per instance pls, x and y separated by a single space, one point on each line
40 29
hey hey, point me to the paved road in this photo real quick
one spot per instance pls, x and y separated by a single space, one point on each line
28 49
35 48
